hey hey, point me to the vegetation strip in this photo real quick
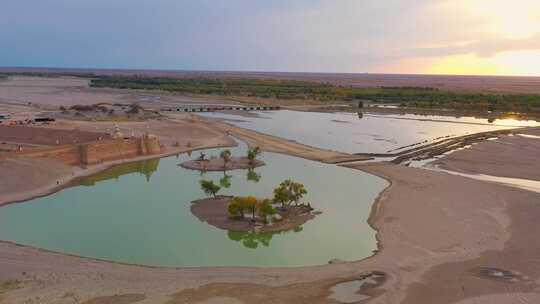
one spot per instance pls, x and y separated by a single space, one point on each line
418 97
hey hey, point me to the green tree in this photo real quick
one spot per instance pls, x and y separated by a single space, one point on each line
252 154
241 204
236 207
288 192
265 208
297 191
209 187
281 196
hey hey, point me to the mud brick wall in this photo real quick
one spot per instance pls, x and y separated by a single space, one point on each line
94 152
98 152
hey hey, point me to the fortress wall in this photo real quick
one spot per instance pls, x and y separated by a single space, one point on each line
47 136
94 152
70 154
98 152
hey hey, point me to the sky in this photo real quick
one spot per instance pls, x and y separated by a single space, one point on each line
481 37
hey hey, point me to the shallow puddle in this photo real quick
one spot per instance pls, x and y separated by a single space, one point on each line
526 184
529 136
348 292
351 291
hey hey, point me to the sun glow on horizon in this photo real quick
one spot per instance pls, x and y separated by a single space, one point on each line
519 63
464 65
503 21
511 19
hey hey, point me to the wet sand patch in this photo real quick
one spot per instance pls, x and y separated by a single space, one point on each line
315 292
340 121
499 274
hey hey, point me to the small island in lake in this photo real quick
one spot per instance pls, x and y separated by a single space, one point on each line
225 162
244 214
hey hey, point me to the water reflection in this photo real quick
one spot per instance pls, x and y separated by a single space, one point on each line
253 240
225 181
253 176
145 167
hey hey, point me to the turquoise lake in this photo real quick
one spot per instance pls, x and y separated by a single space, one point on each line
140 213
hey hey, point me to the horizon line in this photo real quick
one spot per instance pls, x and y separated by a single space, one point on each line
253 71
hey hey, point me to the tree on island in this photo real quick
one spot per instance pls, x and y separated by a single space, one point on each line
226 156
297 191
281 196
265 208
236 207
252 154
240 205
209 187
288 192
251 205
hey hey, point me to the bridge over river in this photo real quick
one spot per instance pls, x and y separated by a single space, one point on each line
219 108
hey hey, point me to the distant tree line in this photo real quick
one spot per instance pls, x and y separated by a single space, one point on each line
418 97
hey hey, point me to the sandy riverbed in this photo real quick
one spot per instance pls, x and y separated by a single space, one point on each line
513 156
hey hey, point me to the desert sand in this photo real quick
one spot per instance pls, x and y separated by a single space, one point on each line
50 93
513 156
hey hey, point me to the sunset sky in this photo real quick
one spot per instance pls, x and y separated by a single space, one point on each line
487 37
